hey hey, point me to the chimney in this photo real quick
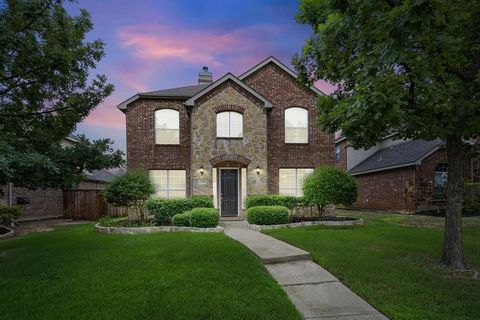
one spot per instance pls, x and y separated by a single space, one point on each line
204 77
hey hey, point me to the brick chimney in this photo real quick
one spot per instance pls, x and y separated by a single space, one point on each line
204 77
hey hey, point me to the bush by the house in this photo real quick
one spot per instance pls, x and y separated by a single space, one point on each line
182 219
9 214
204 217
165 209
329 185
267 215
472 199
130 190
273 200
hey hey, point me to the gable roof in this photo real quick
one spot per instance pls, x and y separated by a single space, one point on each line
277 62
400 155
228 76
174 93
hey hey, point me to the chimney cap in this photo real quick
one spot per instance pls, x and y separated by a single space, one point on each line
205 69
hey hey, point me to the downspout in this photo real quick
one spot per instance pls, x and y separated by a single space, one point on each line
10 194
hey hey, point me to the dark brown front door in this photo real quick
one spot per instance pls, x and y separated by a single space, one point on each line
229 192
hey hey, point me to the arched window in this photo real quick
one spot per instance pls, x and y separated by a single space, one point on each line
229 124
296 125
167 126
440 181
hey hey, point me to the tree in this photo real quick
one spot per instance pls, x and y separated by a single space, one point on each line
329 185
409 67
45 91
131 191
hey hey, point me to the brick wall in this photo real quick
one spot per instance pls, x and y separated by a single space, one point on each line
142 152
425 180
343 155
387 190
283 92
48 201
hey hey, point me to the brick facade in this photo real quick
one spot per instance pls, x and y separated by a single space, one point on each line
284 92
343 155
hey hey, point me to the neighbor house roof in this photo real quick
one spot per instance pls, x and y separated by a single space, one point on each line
228 76
104 175
279 64
174 93
400 155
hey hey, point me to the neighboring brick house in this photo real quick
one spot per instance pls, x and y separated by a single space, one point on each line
400 175
237 136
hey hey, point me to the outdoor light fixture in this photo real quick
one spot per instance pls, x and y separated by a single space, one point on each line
202 170
257 170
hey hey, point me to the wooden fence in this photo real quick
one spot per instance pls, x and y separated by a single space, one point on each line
88 205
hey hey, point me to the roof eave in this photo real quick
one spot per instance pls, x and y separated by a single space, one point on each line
123 106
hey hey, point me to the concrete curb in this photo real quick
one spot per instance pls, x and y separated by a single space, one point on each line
258 227
143 230
9 234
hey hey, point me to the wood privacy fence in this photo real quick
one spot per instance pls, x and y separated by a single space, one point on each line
88 205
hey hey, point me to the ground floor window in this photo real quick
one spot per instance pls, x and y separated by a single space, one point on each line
169 183
291 180
440 181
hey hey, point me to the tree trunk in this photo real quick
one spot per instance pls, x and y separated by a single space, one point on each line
452 244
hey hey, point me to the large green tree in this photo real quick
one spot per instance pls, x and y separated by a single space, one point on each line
45 90
404 66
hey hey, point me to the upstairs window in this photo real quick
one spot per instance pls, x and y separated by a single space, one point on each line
229 125
440 181
167 126
296 125
337 153
291 181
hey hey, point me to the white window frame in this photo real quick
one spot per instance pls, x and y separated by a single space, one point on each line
338 153
298 189
229 125
285 125
165 129
168 189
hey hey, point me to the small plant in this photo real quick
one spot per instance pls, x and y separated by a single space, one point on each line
9 214
204 217
329 185
130 190
273 200
182 219
267 215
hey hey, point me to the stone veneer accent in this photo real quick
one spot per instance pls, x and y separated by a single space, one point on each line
206 148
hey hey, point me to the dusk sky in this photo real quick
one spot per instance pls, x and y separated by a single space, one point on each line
152 45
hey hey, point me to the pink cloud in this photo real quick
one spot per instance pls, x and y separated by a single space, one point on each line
107 114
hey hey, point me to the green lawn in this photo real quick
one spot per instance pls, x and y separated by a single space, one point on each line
75 273
392 262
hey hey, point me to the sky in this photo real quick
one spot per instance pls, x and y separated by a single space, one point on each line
152 45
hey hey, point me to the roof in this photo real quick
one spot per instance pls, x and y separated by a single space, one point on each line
279 64
177 93
228 76
400 155
104 175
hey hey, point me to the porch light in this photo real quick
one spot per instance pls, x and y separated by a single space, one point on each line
201 170
257 170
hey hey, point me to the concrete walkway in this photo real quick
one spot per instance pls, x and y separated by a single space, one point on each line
316 293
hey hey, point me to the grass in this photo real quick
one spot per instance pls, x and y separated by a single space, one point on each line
75 273
392 261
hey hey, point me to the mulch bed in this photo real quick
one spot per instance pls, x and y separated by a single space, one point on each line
295 219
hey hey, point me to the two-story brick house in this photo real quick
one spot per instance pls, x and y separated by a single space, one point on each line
237 136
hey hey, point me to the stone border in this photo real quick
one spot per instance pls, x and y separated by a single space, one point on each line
9 234
143 230
258 227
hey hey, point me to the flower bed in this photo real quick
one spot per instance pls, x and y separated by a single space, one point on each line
327 221
6 232
153 229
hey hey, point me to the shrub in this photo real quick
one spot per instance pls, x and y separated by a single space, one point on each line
165 209
130 190
267 215
182 219
329 185
9 214
472 199
273 200
204 217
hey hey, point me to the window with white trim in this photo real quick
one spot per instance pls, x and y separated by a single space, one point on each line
167 126
296 125
440 177
337 153
229 124
169 183
291 181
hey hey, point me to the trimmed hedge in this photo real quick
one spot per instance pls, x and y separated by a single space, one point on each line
182 219
9 214
266 215
165 209
204 217
273 200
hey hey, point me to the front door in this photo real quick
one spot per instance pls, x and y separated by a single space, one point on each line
229 192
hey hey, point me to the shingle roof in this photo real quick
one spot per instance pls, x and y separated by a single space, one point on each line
99 175
399 155
180 92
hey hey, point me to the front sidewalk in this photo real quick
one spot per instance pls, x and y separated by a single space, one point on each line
313 290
